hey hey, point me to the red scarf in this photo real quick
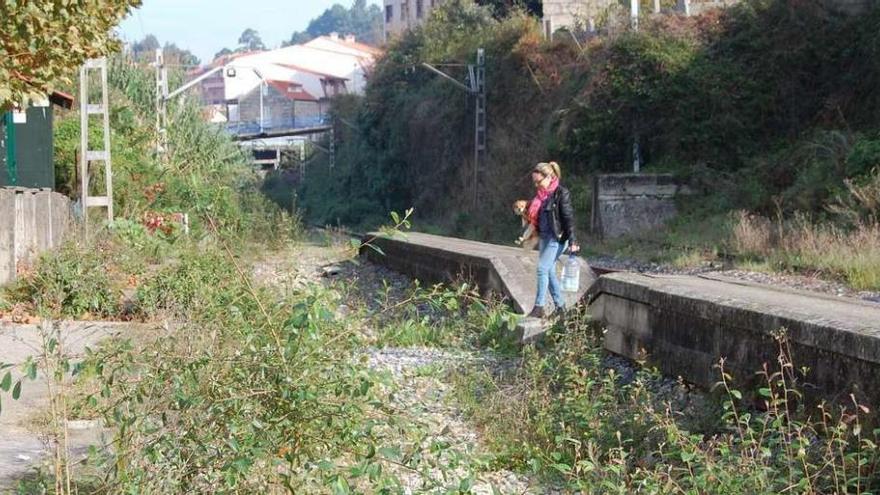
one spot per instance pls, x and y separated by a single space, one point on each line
540 197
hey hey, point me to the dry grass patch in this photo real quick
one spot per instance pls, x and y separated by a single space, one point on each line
851 254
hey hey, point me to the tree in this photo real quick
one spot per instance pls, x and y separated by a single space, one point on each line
147 45
298 38
366 22
501 8
337 18
250 41
44 41
145 51
223 52
362 20
179 56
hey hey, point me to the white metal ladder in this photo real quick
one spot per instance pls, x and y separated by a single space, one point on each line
86 155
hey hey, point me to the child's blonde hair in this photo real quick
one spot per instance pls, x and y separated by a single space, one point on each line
549 169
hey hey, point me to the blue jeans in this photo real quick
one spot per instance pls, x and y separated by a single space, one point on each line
549 250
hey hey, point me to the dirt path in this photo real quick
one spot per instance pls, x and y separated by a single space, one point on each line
23 443
420 399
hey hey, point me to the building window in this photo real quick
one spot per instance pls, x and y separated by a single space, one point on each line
389 13
404 10
419 9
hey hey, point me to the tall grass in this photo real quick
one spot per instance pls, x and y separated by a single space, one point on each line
851 254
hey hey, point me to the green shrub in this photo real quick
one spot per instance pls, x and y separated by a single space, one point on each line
444 316
196 280
74 281
259 392
864 158
564 416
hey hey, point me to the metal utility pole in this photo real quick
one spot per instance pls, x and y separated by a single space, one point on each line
330 150
479 89
332 145
86 155
161 99
262 93
634 24
476 88
634 14
637 158
683 6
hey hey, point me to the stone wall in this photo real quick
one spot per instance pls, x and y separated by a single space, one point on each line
277 109
625 204
402 15
572 13
31 221
578 13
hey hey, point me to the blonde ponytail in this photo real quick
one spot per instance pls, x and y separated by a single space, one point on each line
549 169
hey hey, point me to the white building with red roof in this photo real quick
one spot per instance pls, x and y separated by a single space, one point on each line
293 82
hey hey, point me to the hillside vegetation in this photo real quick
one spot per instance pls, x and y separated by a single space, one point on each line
768 106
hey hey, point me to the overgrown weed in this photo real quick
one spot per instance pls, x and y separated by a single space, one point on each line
446 316
563 415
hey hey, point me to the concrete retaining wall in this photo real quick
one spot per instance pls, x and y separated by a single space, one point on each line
506 271
685 325
31 221
433 264
625 204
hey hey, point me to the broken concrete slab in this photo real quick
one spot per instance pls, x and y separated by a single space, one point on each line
530 330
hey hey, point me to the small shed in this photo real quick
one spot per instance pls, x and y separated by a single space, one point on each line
26 144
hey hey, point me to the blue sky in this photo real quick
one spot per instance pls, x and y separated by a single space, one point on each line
206 26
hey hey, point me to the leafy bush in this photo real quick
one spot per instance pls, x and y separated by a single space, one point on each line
251 396
443 316
197 279
564 415
74 281
864 157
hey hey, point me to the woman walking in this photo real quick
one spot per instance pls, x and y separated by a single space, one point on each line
551 212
